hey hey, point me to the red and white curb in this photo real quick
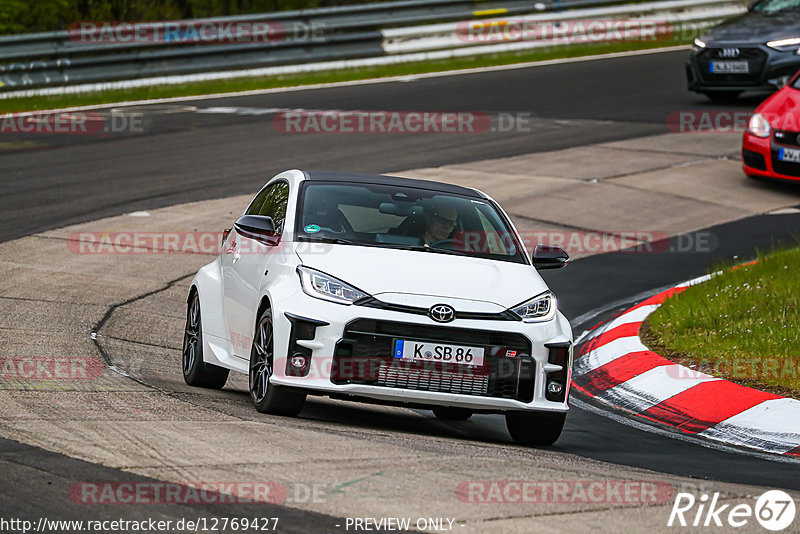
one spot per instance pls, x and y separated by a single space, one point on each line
613 366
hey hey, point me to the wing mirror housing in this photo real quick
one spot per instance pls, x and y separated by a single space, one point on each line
549 257
258 227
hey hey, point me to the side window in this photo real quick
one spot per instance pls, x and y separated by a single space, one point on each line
272 202
255 206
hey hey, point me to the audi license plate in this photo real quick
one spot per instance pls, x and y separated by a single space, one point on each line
437 352
730 67
789 154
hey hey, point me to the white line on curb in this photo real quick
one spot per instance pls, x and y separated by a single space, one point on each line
644 427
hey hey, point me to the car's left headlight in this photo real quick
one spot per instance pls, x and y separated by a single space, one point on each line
758 126
540 308
323 286
786 45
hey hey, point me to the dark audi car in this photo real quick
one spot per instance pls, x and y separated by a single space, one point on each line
755 51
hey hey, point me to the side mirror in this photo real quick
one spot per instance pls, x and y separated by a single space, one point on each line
549 257
258 227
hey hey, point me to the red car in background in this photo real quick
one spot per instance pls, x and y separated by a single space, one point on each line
771 144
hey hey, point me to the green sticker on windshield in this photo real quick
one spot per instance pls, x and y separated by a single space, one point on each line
312 229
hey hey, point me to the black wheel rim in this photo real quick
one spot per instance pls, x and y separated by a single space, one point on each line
261 360
191 336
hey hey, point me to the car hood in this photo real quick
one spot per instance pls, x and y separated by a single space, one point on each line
755 28
783 109
388 274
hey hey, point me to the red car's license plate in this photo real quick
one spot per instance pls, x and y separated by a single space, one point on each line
789 154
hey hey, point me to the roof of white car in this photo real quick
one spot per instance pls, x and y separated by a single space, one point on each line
327 176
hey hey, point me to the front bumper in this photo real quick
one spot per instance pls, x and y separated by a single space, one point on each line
760 158
766 68
349 353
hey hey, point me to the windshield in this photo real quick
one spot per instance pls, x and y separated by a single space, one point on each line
406 218
773 6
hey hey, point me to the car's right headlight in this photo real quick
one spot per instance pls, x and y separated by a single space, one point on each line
323 286
540 308
758 126
699 43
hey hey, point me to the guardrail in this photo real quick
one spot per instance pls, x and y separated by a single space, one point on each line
89 54
661 19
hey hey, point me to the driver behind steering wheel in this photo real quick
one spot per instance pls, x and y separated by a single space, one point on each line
439 224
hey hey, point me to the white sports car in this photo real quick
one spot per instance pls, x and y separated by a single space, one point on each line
385 290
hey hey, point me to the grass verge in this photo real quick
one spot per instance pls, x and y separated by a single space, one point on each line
742 325
271 82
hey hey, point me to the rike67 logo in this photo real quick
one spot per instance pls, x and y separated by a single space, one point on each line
774 510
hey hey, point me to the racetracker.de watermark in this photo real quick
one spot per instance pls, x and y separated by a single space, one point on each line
725 121
564 492
739 368
92 243
132 493
47 368
72 123
332 121
194 31
575 242
564 31
382 122
583 242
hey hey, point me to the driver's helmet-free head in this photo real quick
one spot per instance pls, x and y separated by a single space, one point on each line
441 219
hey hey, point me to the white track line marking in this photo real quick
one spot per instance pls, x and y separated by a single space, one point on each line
607 353
774 425
652 387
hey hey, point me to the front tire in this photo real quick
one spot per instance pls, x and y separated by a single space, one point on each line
531 428
266 397
195 371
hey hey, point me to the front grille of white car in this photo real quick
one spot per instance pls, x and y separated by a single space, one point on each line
402 376
365 356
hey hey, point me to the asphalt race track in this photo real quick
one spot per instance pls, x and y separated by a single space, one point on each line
185 156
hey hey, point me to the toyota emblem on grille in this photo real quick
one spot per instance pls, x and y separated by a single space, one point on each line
442 313
729 52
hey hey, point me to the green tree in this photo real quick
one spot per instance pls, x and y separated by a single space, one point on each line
26 16
18 16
